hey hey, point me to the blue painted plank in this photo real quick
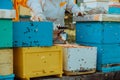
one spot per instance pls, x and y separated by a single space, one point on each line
6 4
7 77
98 32
26 34
114 10
110 69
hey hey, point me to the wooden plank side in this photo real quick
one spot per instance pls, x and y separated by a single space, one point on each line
4 13
98 17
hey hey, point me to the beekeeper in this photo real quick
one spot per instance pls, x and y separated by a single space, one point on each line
52 10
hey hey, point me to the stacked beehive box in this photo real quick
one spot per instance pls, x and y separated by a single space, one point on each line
34 53
94 6
6 51
40 34
102 31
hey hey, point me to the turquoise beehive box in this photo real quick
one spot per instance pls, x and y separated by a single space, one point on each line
6 33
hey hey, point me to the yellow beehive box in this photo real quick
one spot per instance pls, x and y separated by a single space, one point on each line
6 61
32 62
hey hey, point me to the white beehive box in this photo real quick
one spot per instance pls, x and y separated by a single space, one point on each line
94 5
79 58
98 17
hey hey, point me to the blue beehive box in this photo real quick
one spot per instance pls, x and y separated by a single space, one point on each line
26 34
6 4
7 77
114 10
106 37
108 56
98 32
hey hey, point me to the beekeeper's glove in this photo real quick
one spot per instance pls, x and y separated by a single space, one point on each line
81 13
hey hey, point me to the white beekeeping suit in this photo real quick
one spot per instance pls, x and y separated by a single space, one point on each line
52 10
